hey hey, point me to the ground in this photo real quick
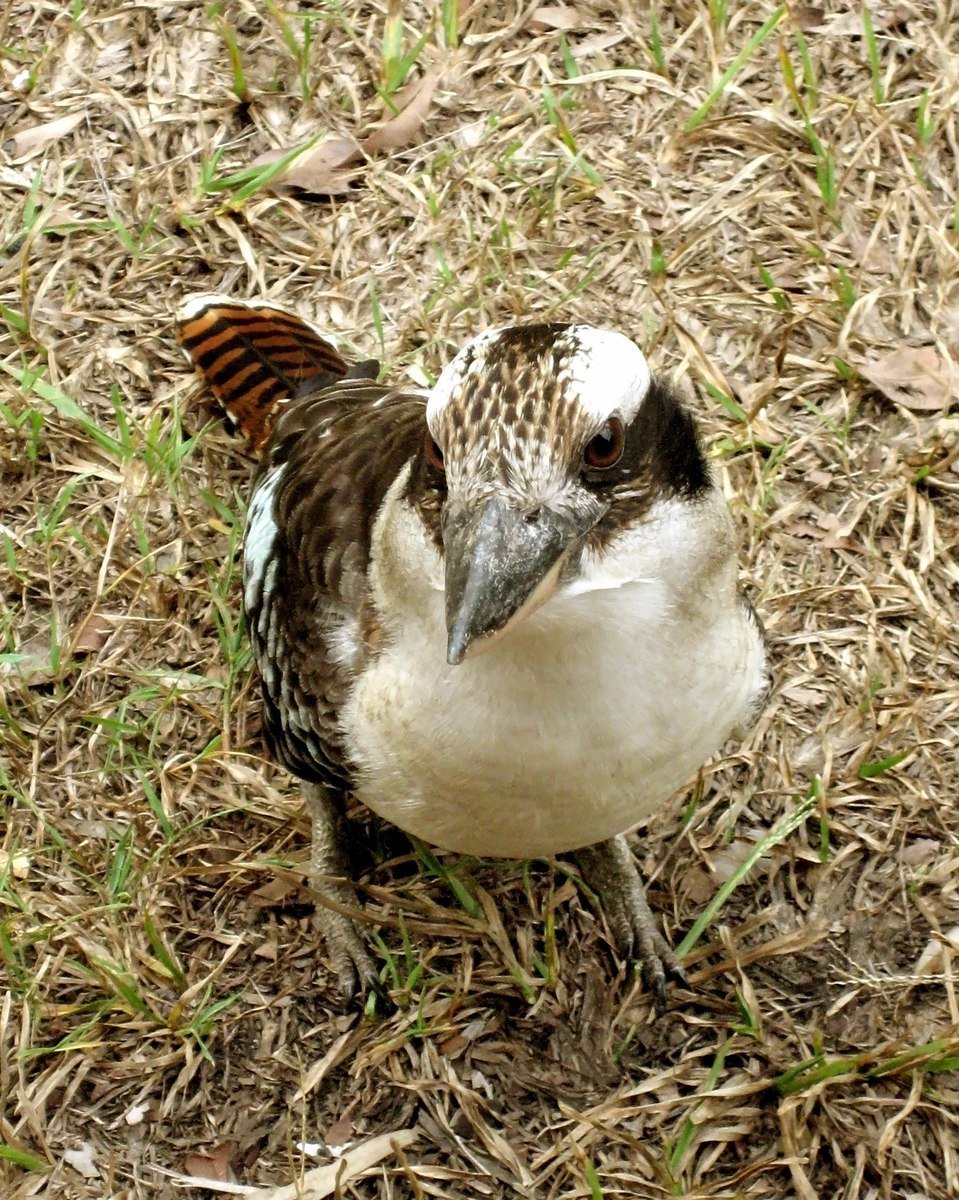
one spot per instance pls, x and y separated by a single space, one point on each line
765 199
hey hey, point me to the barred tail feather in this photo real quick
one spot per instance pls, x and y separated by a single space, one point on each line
253 357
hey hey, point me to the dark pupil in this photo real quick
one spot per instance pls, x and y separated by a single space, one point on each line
603 442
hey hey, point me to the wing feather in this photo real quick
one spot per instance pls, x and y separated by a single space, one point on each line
335 454
331 440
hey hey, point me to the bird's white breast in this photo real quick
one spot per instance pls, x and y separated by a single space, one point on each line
577 724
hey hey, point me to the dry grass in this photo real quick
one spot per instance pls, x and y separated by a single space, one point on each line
165 996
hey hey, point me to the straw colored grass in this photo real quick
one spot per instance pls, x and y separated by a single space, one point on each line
167 1007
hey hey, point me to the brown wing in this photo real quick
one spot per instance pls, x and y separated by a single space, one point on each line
326 470
253 357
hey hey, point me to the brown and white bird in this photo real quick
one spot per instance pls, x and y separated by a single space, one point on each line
503 613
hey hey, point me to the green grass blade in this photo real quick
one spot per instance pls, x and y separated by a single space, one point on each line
164 954
244 183
450 18
735 67
688 1132
595 1187
22 1158
459 889
64 405
656 41
872 49
776 835
728 403
874 769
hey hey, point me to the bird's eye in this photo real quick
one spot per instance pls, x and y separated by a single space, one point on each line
606 448
433 452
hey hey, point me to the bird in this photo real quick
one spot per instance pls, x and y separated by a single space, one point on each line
502 612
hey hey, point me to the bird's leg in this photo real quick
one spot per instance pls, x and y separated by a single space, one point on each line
330 880
610 869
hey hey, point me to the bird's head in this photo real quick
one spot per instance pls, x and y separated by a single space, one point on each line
541 439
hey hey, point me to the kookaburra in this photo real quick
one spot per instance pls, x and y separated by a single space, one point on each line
503 613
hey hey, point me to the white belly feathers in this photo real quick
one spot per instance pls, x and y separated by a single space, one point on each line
579 723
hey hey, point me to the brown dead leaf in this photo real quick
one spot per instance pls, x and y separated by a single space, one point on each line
835 542
554 16
399 130
807 17
726 861
321 171
29 142
210 1164
340 1049
597 43
94 632
453 1045
802 529
330 167
340 1132
923 852
698 888
836 536
939 949
53 218
278 891
917 377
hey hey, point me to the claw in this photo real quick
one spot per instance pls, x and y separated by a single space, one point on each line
610 868
659 994
347 946
676 972
359 976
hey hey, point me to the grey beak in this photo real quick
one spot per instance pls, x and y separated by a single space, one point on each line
497 560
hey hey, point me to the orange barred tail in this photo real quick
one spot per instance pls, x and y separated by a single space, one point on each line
253 357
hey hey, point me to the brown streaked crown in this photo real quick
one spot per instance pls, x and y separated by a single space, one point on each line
510 420
523 403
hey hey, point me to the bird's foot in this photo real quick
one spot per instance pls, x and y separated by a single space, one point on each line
347 945
609 868
337 902
638 937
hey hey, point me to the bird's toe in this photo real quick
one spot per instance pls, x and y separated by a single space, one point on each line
655 956
350 954
611 869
